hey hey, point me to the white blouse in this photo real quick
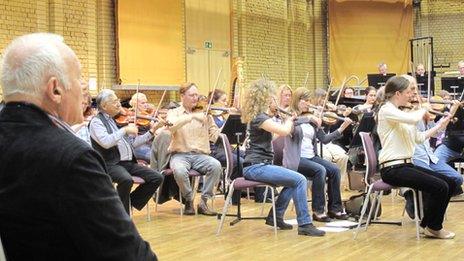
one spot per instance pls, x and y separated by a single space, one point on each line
398 133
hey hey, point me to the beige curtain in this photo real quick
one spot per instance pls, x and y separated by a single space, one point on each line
363 34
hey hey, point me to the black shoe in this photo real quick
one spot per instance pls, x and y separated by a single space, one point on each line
204 209
310 230
268 200
322 218
408 196
339 216
279 222
189 210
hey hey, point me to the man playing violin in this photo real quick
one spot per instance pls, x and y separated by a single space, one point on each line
118 152
192 133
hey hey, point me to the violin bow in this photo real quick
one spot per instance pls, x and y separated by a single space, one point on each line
325 102
212 92
306 80
341 90
159 104
136 101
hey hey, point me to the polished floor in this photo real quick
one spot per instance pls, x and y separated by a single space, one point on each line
194 238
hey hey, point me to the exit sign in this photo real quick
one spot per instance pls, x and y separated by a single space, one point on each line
208 44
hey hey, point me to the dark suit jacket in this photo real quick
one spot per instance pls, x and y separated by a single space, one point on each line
56 200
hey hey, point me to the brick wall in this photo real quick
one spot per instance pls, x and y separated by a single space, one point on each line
443 20
282 40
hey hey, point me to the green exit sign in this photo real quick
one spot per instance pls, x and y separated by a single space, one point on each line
208 44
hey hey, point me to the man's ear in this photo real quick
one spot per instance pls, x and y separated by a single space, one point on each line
54 90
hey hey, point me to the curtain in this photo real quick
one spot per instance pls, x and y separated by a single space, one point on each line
363 34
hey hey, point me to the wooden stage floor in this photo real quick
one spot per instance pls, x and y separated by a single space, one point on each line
193 237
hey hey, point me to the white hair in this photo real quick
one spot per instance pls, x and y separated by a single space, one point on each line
29 61
103 97
133 100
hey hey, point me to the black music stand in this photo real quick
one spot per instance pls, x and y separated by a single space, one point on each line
378 80
454 85
366 124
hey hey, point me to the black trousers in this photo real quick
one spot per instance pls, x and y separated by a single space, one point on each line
122 173
437 189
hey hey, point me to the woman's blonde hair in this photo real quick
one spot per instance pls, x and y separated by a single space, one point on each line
133 100
257 98
299 94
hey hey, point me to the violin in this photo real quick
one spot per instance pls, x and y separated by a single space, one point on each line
127 116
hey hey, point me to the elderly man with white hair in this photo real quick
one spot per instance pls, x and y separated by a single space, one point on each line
56 198
117 149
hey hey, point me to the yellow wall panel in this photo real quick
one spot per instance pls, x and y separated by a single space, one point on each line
151 42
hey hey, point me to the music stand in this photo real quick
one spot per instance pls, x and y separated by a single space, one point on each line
366 124
454 85
378 80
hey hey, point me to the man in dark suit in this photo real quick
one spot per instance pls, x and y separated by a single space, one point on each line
56 199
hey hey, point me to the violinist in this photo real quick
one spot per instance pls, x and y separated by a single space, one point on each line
219 99
259 101
334 151
348 92
140 100
399 136
300 154
285 96
192 133
118 152
425 157
371 96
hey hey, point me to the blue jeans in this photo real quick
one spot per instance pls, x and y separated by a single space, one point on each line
446 154
294 185
318 169
441 168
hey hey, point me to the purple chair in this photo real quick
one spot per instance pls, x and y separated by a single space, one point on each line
377 187
240 184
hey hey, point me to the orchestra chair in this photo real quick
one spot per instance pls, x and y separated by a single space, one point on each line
193 174
278 145
2 252
139 181
377 187
240 183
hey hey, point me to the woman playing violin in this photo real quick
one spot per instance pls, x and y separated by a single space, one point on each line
259 156
144 109
301 155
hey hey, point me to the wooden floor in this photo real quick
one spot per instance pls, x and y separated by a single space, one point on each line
193 237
